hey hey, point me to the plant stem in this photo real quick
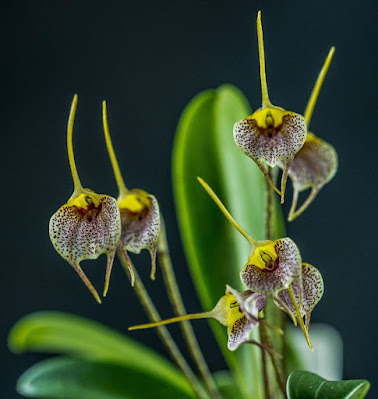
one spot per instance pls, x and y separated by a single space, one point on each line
268 342
270 311
265 368
284 348
269 210
179 310
163 332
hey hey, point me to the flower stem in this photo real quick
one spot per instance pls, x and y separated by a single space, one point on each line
269 210
271 309
268 342
179 309
265 368
163 332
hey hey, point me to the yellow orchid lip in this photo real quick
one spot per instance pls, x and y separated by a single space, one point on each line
85 201
269 119
264 257
136 201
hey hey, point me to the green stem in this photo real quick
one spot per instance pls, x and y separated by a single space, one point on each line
272 313
264 368
284 348
179 310
269 210
268 342
163 332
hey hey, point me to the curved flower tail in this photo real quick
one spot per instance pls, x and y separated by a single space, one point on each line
284 179
299 317
123 254
318 85
193 316
152 252
225 212
78 188
294 213
113 159
268 177
264 86
109 266
86 281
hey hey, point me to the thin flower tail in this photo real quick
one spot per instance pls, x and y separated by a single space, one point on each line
86 281
123 253
109 266
294 213
153 262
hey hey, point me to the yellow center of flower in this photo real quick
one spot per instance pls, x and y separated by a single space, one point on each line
268 117
85 201
264 256
232 310
135 201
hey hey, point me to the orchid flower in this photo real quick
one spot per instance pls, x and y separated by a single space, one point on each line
88 225
272 267
271 134
238 311
316 162
140 216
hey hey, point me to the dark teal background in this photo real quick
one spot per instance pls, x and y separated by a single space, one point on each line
148 59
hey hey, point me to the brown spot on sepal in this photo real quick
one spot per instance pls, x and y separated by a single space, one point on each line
140 230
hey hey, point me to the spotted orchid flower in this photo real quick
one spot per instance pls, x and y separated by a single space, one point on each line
88 225
308 298
238 311
272 266
271 134
316 162
140 216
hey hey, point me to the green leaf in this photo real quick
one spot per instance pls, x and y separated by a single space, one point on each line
226 385
306 385
56 332
63 378
216 252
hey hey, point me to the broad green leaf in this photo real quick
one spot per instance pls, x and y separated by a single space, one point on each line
306 385
226 385
56 332
216 252
63 378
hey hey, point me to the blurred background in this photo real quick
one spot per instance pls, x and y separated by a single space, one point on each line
148 59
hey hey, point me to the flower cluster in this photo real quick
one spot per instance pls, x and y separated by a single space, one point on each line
91 224
274 269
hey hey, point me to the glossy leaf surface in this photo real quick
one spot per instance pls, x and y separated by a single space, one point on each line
63 378
57 332
306 385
